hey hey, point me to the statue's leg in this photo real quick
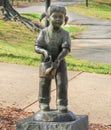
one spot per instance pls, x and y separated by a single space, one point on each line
61 87
44 93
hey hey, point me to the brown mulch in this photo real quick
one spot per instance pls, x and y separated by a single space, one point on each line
9 116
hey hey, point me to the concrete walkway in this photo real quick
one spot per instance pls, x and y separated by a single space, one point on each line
92 50
94 43
88 93
98 28
40 7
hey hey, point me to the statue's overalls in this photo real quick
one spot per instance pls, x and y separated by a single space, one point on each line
53 43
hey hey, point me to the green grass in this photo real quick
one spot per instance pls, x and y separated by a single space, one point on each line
86 66
74 30
96 8
17 46
30 15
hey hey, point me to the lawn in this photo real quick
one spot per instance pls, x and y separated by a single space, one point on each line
17 42
96 8
17 46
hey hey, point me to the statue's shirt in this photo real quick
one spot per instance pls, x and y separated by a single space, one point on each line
53 42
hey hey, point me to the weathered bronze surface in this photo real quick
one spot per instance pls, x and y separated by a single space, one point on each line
54 116
53 43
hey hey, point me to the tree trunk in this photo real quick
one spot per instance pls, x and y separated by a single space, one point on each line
11 14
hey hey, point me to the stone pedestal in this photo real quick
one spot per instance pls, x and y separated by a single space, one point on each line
80 123
54 116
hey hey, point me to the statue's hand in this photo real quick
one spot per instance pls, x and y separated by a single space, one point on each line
56 64
46 56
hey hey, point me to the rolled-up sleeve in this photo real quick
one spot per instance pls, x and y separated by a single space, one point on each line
66 41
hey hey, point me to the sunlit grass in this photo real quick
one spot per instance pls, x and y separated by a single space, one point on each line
17 46
32 15
96 8
82 65
74 30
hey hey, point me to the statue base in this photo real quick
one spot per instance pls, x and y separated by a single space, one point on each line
54 116
59 122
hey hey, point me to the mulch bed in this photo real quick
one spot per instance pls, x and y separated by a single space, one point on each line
9 116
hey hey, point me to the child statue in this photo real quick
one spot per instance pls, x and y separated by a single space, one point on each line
54 44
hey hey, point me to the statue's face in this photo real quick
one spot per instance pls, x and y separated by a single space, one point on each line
56 19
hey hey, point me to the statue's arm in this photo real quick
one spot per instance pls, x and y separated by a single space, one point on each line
63 53
40 46
66 45
61 56
41 51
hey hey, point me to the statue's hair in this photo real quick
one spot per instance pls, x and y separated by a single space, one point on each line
55 8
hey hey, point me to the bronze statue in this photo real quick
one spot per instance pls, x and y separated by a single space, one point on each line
54 44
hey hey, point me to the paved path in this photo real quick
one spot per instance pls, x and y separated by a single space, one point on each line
92 50
88 93
94 43
98 28
40 7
